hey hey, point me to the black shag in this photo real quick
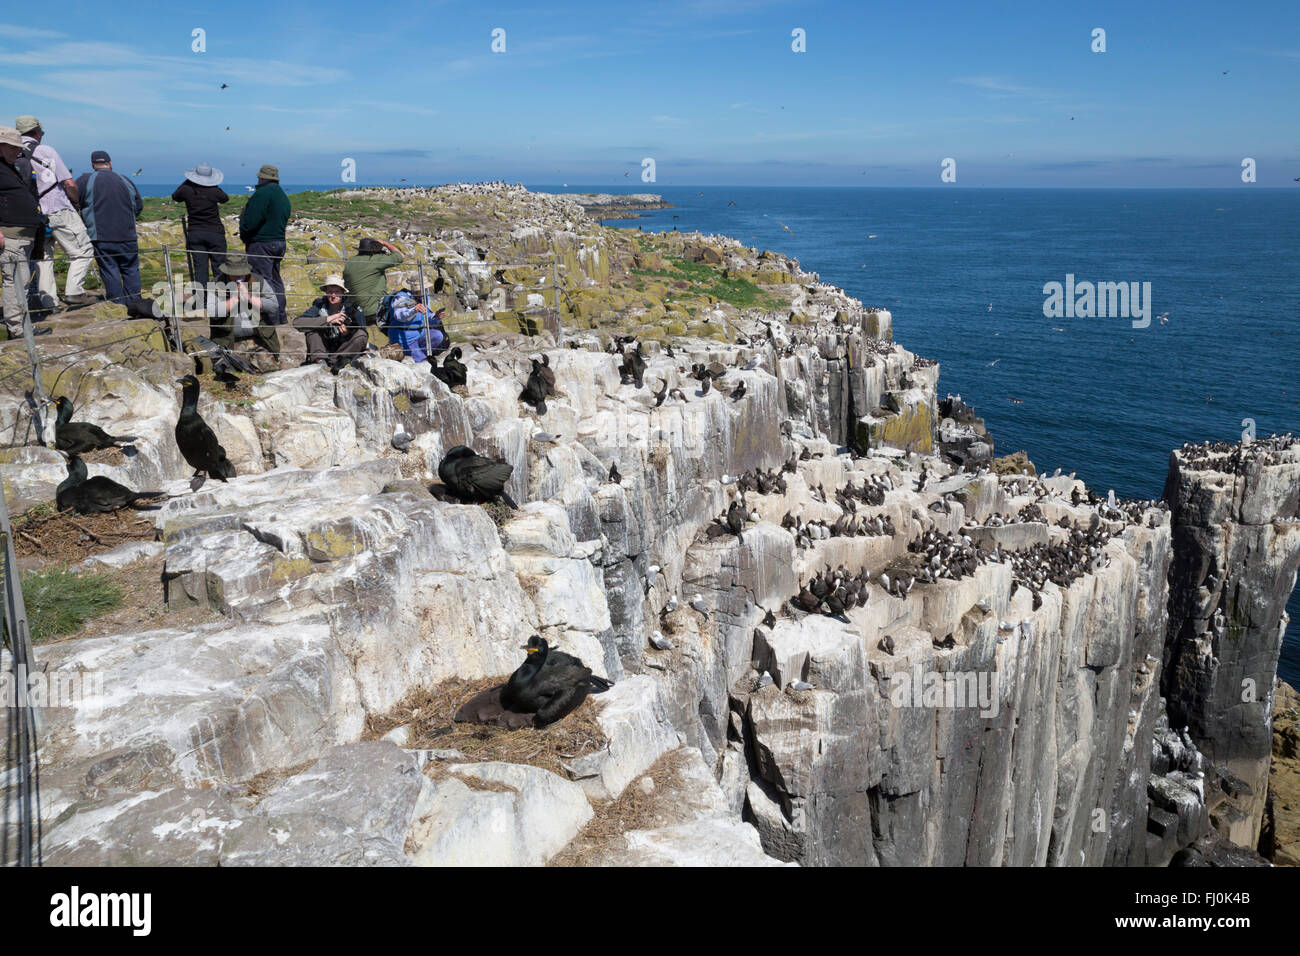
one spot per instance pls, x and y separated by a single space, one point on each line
96 495
614 476
549 685
452 372
547 374
474 478
197 442
736 516
534 392
633 368
78 437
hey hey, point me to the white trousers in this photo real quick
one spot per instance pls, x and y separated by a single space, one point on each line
70 234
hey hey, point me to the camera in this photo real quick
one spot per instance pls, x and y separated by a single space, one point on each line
330 333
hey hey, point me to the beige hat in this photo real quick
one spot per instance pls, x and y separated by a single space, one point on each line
334 280
269 172
10 137
26 124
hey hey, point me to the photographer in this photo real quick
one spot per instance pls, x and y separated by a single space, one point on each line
334 325
242 308
414 323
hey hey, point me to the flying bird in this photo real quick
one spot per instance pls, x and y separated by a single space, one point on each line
225 86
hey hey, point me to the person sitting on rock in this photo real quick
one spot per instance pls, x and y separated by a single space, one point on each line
335 326
241 307
409 316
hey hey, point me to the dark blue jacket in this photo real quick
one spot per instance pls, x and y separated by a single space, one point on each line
110 205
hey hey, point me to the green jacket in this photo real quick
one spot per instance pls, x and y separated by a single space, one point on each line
365 279
265 215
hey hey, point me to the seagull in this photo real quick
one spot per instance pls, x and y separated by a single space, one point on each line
660 643
138 171
764 680
545 437
652 570
225 86
697 602
994 362
249 188
800 685
401 440
671 605
728 479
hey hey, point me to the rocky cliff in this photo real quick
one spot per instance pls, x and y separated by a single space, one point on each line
992 696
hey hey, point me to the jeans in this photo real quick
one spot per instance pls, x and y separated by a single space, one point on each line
208 250
264 258
119 270
69 232
16 271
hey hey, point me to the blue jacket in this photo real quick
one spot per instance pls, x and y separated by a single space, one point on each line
406 327
110 205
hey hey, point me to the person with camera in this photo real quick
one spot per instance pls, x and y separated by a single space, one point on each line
414 324
242 307
335 326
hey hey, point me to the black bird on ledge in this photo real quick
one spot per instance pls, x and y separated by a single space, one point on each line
550 685
78 437
197 442
452 372
474 478
98 495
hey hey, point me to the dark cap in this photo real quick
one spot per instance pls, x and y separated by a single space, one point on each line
99 156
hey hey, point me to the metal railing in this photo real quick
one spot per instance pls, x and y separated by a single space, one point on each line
20 778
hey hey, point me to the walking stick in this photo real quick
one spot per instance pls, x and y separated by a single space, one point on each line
189 254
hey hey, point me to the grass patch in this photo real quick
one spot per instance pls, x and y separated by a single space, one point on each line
60 601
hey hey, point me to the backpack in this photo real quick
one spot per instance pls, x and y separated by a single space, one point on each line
24 166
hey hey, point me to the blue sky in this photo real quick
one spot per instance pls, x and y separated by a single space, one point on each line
710 89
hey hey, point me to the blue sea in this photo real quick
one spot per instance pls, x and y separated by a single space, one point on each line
963 271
